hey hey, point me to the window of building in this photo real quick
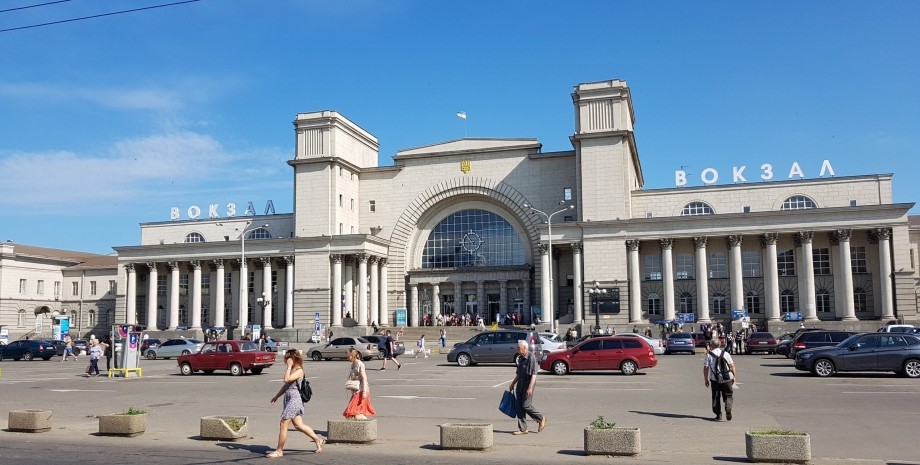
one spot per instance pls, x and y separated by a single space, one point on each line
372 205
798 202
567 194
752 302
228 283
785 263
91 318
652 267
719 304
341 171
823 300
696 208
21 318
40 287
251 286
75 288
654 304
860 300
341 200
685 303
260 233
858 260
352 229
684 267
183 284
718 268
23 284
206 283
352 204
57 288
92 288
746 209
352 175
750 264
648 214
853 202
786 301
473 238
822 261
194 237
161 284
112 286
341 228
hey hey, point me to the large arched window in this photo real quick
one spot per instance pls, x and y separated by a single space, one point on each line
798 202
260 233
194 237
473 238
696 208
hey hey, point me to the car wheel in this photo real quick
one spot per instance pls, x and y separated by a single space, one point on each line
236 369
823 368
629 367
560 368
256 371
316 356
27 356
912 368
186 352
464 360
380 355
667 352
186 369
151 355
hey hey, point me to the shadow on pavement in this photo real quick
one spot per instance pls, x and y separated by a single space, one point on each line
671 415
260 449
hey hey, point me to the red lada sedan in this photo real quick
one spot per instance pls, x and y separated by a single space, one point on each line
626 354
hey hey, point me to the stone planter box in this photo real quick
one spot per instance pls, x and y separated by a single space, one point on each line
613 441
467 436
351 431
215 427
794 448
119 424
30 421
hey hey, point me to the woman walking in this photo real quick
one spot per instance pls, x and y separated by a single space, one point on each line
420 347
359 407
293 406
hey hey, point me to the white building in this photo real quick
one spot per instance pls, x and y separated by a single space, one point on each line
448 229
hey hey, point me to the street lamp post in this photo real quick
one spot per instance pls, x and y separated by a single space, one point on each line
263 302
549 225
242 322
595 293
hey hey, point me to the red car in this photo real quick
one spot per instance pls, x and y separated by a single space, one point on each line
626 354
236 356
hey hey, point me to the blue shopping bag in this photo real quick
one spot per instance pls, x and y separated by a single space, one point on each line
508 405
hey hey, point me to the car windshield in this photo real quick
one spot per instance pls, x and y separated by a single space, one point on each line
248 346
193 341
363 341
680 336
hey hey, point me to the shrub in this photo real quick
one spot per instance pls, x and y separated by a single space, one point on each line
601 424
775 432
134 411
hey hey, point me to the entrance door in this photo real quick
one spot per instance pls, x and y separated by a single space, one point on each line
494 301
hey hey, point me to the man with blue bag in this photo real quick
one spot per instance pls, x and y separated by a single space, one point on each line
525 379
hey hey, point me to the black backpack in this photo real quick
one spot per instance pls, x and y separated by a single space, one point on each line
723 372
306 392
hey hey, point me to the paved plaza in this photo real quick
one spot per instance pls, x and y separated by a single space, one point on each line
857 418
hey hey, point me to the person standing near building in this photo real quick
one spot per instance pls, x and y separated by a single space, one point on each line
442 339
390 351
359 406
293 406
523 384
95 351
420 347
721 391
68 348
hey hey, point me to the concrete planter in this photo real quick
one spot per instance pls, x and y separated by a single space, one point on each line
119 424
351 431
794 448
467 436
613 441
30 421
215 427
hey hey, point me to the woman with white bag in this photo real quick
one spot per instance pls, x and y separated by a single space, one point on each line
359 407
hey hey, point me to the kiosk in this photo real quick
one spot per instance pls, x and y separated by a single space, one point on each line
128 339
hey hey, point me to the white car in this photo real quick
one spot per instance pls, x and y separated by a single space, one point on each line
656 343
552 343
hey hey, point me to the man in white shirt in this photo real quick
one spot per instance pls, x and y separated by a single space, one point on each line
721 391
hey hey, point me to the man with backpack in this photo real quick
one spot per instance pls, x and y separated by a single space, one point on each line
719 376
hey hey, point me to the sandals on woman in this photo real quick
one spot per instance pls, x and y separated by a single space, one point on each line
274 454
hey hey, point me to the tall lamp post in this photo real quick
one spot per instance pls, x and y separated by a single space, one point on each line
263 302
549 225
244 307
595 293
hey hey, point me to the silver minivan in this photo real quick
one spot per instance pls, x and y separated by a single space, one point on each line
494 347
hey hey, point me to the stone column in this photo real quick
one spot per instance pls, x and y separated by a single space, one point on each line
702 278
771 277
458 295
843 237
244 297
152 289
480 297
884 258
667 276
545 296
217 287
737 275
435 300
131 295
349 280
289 291
267 290
173 296
384 304
335 309
635 281
503 298
362 289
375 289
413 303
808 263
527 303
579 316
195 314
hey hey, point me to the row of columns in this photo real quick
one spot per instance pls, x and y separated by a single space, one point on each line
343 282
217 267
415 311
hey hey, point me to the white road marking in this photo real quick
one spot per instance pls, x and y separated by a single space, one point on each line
422 397
595 389
881 392
81 390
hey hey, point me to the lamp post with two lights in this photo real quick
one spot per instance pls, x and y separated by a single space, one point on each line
549 225
596 292
242 322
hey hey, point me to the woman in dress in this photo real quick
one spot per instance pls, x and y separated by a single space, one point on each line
359 407
293 406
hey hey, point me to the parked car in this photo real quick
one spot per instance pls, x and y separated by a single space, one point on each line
897 352
897 329
699 340
338 348
174 348
656 343
27 349
680 342
784 348
623 353
493 347
274 345
400 346
760 342
551 342
149 343
236 356
821 338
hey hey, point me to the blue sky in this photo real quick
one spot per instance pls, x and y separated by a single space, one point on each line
108 123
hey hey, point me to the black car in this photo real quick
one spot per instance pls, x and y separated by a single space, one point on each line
27 349
897 352
812 339
381 341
